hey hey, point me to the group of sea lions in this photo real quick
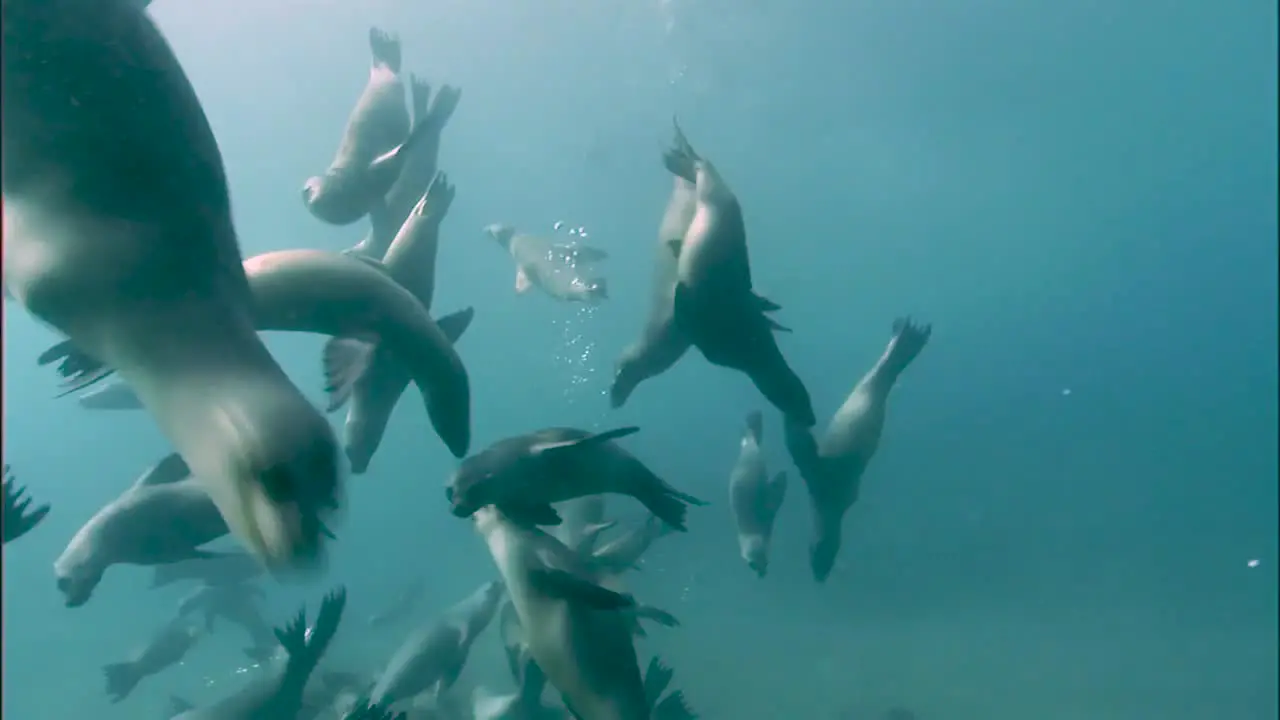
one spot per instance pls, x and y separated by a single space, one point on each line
118 233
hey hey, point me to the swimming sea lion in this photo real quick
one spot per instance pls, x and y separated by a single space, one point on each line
582 522
662 344
380 378
832 467
237 604
433 657
714 303
118 233
17 521
402 606
525 474
167 647
353 297
164 517
625 551
376 144
419 169
560 270
572 626
754 497
280 694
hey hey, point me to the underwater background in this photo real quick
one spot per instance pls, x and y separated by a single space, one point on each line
1074 512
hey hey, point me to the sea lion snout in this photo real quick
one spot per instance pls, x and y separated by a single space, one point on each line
76 591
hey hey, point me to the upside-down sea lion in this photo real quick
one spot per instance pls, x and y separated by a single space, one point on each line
375 147
661 344
525 474
714 302
419 169
754 497
118 233
832 467
562 271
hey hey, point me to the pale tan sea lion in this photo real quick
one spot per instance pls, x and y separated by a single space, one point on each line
832 467
118 233
754 497
563 271
375 147
714 302
661 344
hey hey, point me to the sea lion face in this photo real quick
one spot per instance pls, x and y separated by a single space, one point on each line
755 551
501 233
77 582
472 486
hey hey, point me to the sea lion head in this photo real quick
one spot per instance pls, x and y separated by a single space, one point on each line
327 198
476 483
501 233
78 571
755 551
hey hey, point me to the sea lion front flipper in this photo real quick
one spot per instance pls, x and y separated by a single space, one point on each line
673 707
385 48
765 304
171 469
674 245
658 615
593 439
681 159
77 368
345 361
522 280
177 706
456 323
566 586
526 515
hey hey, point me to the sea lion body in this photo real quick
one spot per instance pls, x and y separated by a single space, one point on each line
163 518
373 149
832 467
562 271
419 169
411 262
572 626
662 343
238 604
714 302
437 653
754 497
525 474
166 647
118 233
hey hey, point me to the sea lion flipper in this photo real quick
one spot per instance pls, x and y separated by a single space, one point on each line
345 361
456 323
766 305
442 107
674 245
566 586
385 48
178 705
658 615
656 679
593 439
419 97
673 707
680 159
172 468
522 280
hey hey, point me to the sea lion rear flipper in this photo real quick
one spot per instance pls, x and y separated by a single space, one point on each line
385 48
419 97
177 706
345 361
442 107
593 439
77 368
656 679
522 280
673 707
304 652
527 515
456 323
681 159
570 588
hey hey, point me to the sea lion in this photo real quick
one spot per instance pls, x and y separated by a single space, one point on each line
111 396
434 655
403 604
237 604
582 522
118 233
167 647
352 297
525 474
754 497
624 552
714 302
526 702
661 344
380 378
572 626
832 467
164 517
376 144
17 521
280 694
562 271
419 169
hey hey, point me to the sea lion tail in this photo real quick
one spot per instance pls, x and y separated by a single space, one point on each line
385 48
122 678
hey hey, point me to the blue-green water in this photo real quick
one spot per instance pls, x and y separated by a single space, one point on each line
1080 196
